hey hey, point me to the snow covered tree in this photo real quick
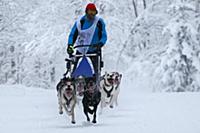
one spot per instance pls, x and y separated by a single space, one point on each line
180 65
12 35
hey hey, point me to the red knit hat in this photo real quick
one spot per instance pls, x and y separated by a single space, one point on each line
91 6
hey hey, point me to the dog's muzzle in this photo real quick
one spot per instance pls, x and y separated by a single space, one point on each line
80 91
68 92
91 88
111 81
117 80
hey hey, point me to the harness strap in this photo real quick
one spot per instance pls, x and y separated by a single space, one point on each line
108 92
68 101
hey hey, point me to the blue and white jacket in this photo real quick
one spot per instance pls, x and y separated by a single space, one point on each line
100 35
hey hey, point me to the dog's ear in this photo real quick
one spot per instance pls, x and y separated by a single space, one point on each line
62 80
73 80
106 73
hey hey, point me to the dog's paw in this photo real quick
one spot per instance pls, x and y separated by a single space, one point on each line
60 112
73 122
94 121
111 106
88 119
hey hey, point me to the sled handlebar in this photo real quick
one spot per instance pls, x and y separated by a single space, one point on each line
88 55
97 53
91 46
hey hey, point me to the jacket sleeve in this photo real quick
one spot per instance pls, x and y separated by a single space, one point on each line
73 35
103 38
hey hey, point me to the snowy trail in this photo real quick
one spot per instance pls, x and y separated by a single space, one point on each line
33 110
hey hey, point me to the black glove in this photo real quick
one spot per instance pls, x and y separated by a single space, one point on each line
70 49
98 46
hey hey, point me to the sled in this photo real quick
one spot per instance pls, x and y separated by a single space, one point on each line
83 67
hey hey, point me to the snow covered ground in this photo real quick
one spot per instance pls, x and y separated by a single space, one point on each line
34 110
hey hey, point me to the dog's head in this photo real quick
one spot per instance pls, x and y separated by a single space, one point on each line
109 78
117 78
80 85
68 88
91 86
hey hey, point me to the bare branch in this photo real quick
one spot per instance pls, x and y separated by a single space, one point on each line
135 8
144 4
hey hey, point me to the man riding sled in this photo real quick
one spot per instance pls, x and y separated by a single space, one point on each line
87 30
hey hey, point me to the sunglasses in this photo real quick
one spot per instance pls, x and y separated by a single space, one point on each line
92 12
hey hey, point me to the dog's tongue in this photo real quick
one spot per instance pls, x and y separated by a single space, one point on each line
111 81
68 93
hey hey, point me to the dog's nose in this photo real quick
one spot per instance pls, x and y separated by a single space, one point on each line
68 86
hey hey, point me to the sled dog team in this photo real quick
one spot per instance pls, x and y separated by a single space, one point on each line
71 92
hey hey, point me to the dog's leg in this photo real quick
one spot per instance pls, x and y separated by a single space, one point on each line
116 97
86 112
94 116
116 100
60 109
73 116
66 110
112 101
60 103
58 87
73 113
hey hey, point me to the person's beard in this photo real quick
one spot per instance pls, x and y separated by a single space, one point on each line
90 17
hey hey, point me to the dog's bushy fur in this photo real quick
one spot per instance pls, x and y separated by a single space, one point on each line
110 89
66 97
